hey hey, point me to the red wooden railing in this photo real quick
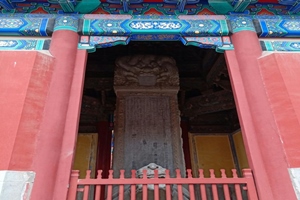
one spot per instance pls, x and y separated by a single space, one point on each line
186 188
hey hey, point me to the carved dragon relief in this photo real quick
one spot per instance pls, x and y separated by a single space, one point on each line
146 70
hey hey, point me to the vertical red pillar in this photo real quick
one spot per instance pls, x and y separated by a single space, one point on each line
264 148
104 150
58 132
184 124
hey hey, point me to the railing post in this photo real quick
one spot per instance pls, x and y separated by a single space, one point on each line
73 185
252 194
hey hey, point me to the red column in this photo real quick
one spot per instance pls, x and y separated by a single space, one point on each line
104 150
58 129
265 151
71 127
184 124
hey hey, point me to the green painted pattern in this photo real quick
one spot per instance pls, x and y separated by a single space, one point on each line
241 23
66 22
152 28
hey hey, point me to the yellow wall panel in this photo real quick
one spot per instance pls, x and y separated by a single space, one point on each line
240 150
212 152
86 151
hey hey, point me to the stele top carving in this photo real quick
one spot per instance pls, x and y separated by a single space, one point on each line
146 71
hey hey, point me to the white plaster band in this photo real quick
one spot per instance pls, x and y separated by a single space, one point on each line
295 177
16 185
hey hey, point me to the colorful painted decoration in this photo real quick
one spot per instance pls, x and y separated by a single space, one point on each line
32 44
280 45
150 26
104 30
157 7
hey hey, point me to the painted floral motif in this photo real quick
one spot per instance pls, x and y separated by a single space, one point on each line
7 43
280 45
23 44
207 27
32 25
295 45
205 42
11 23
241 23
101 42
66 23
158 37
292 25
166 25
104 27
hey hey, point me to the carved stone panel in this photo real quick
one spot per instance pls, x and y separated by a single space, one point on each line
148 130
141 71
147 126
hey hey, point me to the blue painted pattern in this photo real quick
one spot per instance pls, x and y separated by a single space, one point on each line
66 22
202 31
103 27
279 26
207 27
91 43
219 43
22 44
241 23
23 26
281 45
106 25
157 37
155 25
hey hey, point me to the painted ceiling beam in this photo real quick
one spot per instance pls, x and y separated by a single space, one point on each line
161 7
133 26
100 31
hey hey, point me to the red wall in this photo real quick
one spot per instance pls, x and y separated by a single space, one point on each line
40 108
280 73
24 81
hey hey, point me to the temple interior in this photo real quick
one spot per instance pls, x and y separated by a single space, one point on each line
205 97
205 101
